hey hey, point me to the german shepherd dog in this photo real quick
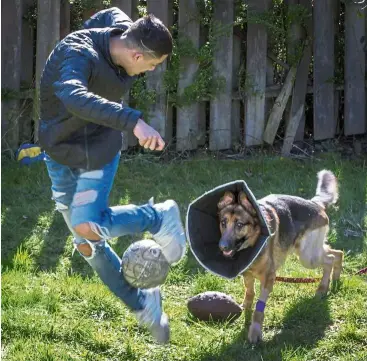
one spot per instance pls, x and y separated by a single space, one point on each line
297 225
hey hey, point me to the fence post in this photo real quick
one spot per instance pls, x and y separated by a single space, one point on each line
48 34
202 131
187 115
354 70
64 18
11 41
130 8
236 103
324 64
26 73
299 90
256 63
221 106
158 112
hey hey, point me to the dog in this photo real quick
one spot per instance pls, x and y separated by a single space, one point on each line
297 225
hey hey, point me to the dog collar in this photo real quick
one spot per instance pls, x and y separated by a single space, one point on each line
203 233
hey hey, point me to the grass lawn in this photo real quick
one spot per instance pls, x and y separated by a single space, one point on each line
55 308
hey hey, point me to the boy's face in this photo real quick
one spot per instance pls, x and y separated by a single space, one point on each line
140 63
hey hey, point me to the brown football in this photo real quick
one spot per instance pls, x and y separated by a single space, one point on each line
216 306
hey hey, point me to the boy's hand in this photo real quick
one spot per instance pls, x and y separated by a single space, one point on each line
148 137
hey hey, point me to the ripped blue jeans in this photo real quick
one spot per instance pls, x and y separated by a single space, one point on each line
82 197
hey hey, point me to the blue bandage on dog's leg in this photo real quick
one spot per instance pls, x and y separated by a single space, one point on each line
260 306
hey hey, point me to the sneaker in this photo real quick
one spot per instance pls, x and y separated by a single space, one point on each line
153 317
171 235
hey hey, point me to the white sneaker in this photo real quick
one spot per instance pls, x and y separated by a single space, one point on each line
153 317
171 235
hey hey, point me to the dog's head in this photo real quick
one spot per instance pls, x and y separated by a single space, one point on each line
239 224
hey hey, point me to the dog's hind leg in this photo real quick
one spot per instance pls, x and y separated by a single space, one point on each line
249 283
338 263
328 261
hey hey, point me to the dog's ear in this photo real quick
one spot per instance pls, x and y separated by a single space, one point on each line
226 200
243 200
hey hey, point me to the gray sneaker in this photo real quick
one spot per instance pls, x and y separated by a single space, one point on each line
153 317
171 235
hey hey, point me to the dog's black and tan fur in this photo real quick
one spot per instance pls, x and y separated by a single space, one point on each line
297 225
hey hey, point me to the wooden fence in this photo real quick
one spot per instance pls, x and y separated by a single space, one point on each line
232 116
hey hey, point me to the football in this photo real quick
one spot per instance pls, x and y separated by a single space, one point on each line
216 306
144 265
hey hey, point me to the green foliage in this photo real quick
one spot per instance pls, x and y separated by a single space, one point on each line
30 14
206 84
9 94
143 98
279 21
78 7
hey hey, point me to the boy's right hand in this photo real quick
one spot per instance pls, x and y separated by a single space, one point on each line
148 137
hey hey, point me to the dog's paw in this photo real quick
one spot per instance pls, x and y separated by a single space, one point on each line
255 333
322 291
336 286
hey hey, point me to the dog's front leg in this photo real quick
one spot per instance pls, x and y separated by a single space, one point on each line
248 282
255 331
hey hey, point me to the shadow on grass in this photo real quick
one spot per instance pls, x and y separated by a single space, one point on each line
25 197
304 324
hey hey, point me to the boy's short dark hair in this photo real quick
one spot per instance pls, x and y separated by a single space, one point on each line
151 36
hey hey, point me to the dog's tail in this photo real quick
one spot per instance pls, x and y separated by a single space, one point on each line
327 188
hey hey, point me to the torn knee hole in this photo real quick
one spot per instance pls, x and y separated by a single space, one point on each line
85 197
82 229
85 249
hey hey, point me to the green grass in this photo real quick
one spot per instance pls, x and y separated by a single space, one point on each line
55 308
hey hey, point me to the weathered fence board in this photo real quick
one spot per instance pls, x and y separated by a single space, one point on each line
323 99
220 135
64 18
11 38
269 102
203 105
298 101
27 50
300 88
159 110
26 74
354 70
236 104
256 63
130 8
279 106
187 116
48 34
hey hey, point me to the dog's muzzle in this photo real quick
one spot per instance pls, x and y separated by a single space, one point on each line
229 248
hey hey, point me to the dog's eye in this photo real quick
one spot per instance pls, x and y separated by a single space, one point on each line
223 223
239 225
